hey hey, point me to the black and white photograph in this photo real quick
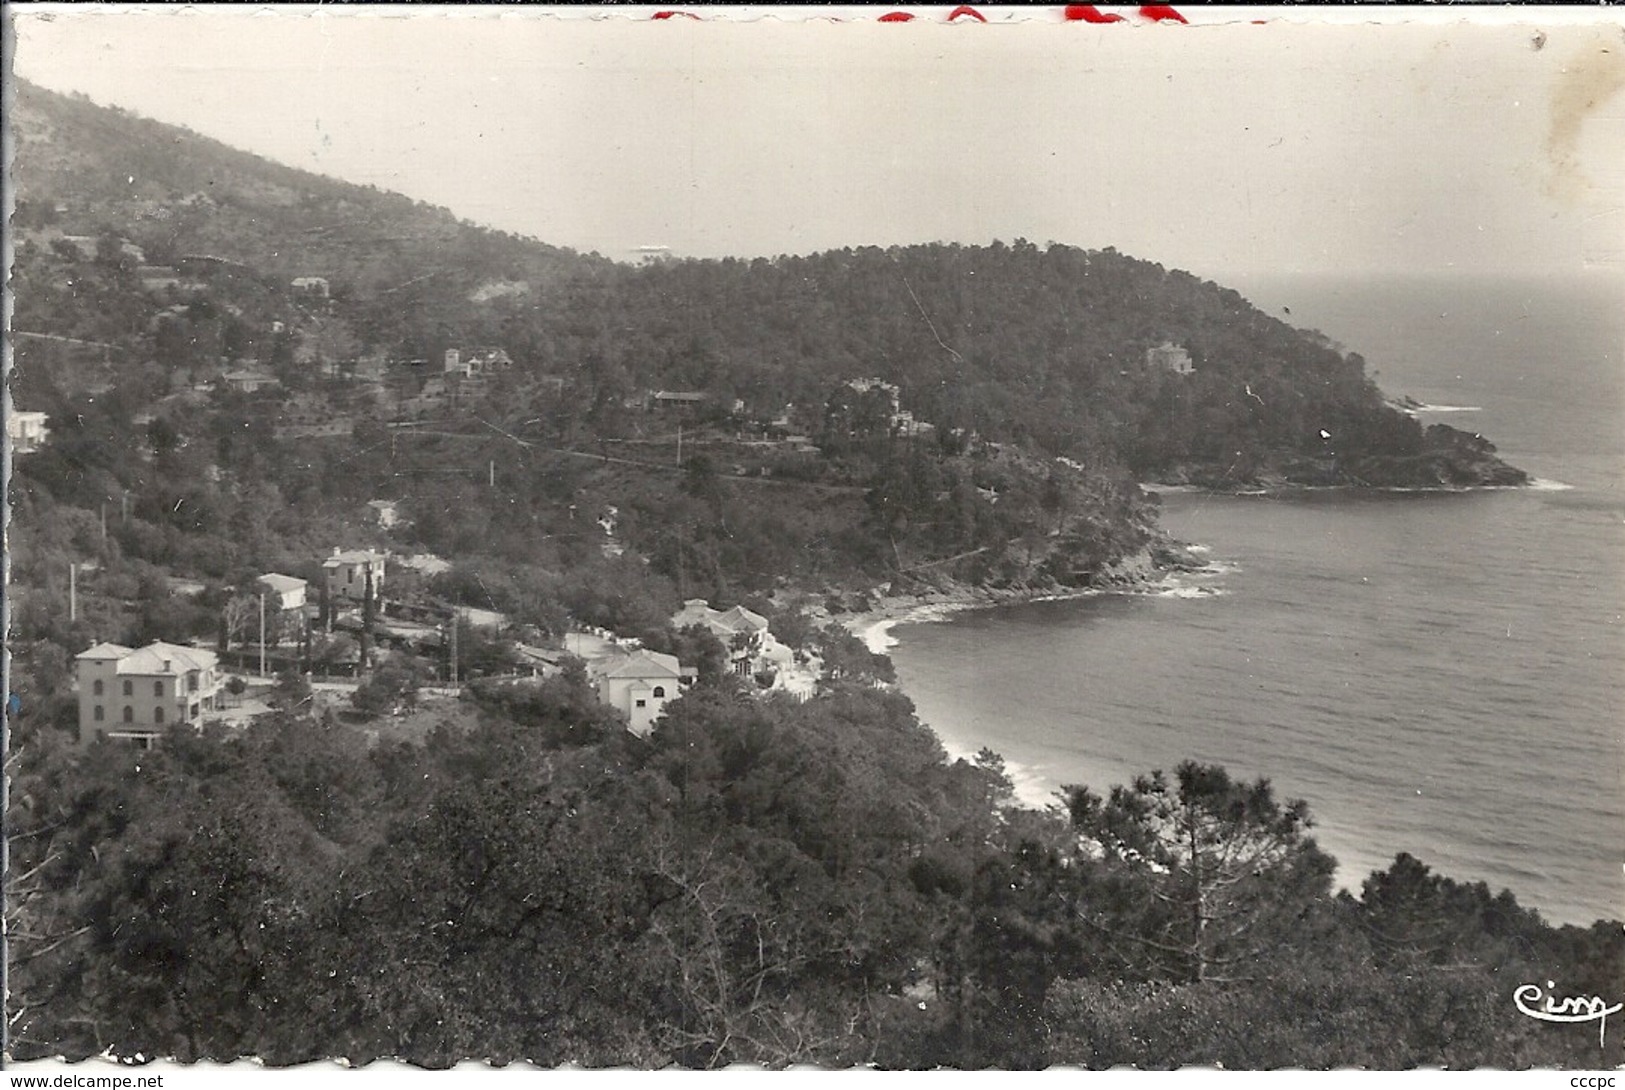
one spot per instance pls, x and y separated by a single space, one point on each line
925 539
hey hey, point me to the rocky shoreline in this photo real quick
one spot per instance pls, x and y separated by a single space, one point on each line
1446 460
1422 473
1144 570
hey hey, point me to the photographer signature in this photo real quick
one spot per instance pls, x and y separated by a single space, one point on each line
1567 1009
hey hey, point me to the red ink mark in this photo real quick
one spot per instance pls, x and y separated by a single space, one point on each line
672 14
966 9
1088 13
896 17
1160 13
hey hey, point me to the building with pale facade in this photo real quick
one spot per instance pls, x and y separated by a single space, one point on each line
284 592
27 431
1170 357
347 574
139 694
473 362
386 513
744 633
640 685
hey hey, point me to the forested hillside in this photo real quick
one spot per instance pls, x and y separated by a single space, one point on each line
88 170
235 357
1045 346
759 883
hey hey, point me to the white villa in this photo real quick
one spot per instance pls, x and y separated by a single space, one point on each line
347 575
751 647
138 694
640 684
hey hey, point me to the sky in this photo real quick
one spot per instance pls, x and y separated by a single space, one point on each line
1226 150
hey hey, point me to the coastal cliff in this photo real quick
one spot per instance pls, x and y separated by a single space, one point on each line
1448 460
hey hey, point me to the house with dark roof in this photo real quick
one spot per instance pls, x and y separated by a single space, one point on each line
676 400
540 662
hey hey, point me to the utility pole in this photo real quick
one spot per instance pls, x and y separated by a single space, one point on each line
454 649
679 446
682 570
104 526
493 477
73 592
262 633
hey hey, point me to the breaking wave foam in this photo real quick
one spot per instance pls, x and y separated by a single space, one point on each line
1190 591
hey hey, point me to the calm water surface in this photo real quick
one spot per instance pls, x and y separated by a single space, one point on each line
1434 673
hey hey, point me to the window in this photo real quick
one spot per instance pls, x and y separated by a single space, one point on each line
129 687
99 716
158 689
98 687
129 714
660 692
642 703
191 682
157 715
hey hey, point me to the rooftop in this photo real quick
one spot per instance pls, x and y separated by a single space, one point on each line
643 664
105 651
734 620
155 658
353 556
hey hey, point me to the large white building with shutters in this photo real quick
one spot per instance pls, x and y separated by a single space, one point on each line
137 694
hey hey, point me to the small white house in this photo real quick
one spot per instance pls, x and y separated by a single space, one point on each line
249 381
473 362
284 591
27 431
348 574
385 512
640 685
1169 357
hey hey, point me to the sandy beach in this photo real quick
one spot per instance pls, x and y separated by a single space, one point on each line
1137 573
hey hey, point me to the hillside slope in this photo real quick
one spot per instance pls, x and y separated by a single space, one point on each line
402 268
928 413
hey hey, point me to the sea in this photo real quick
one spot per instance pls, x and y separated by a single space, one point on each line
1434 673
